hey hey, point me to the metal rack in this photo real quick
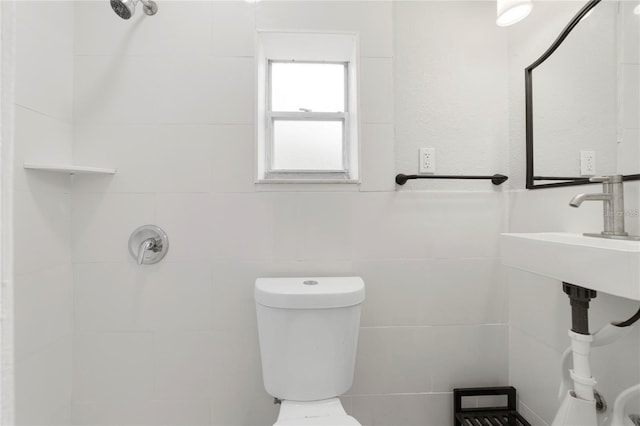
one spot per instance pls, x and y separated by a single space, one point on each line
494 416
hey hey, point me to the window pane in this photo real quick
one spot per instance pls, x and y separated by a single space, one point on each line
304 86
307 145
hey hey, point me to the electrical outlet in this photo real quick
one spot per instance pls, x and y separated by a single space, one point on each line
587 163
427 160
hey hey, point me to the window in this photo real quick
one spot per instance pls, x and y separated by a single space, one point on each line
307 115
306 119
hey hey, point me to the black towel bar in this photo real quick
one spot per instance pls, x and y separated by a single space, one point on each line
495 179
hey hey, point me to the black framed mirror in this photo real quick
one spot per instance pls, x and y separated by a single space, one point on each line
575 105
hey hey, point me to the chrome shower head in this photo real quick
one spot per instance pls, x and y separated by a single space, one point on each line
126 8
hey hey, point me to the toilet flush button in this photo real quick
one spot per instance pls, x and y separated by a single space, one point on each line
310 282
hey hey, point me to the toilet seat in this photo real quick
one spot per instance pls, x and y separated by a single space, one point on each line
327 412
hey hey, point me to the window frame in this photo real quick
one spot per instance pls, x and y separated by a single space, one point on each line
307 46
271 117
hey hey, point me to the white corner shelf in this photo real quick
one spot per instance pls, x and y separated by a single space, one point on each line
65 168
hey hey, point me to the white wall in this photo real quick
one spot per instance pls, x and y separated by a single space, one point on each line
169 101
42 213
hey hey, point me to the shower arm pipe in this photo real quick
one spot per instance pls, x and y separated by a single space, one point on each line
148 4
496 179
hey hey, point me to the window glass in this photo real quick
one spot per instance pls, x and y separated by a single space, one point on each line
307 145
316 87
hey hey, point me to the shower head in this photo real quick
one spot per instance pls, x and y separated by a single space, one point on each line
126 8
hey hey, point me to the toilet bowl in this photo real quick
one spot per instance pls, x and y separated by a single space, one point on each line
328 412
308 332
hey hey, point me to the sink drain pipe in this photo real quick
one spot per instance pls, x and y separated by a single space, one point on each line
579 406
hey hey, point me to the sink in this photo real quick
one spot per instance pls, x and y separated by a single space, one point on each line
604 265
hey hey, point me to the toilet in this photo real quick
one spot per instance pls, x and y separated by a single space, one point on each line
308 332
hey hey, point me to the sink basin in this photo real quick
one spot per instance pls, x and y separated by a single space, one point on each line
609 266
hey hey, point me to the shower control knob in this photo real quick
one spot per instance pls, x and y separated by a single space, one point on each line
148 244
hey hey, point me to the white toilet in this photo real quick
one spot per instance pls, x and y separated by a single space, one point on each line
308 330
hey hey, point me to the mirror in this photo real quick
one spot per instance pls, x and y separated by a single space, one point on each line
582 98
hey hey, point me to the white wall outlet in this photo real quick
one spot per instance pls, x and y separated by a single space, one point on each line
587 163
427 160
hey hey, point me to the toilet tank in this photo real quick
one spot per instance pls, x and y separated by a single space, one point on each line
308 331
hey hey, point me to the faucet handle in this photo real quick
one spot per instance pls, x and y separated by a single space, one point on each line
606 179
148 244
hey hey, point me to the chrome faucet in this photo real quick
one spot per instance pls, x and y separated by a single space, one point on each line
613 197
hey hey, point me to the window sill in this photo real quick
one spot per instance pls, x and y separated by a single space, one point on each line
311 181
307 185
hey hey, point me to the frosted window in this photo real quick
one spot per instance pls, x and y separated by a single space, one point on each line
307 145
307 87
307 110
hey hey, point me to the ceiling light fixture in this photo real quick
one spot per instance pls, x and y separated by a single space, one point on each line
512 11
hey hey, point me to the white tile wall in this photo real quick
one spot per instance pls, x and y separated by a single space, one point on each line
385 366
44 58
43 385
376 89
102 223
243 227
169 101
371 20
112 366
43 302
410 224
553 331
163 90
377 157
409 410
233 24
468 356
183 156
114 297
155 412
178 29
233 159
41 211
183 368
323 226
191 235
422 292
238 381
534 369
42 226
40 138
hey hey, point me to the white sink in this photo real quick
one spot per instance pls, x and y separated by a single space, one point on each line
609 266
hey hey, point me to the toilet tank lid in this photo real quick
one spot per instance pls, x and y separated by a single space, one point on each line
309 292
